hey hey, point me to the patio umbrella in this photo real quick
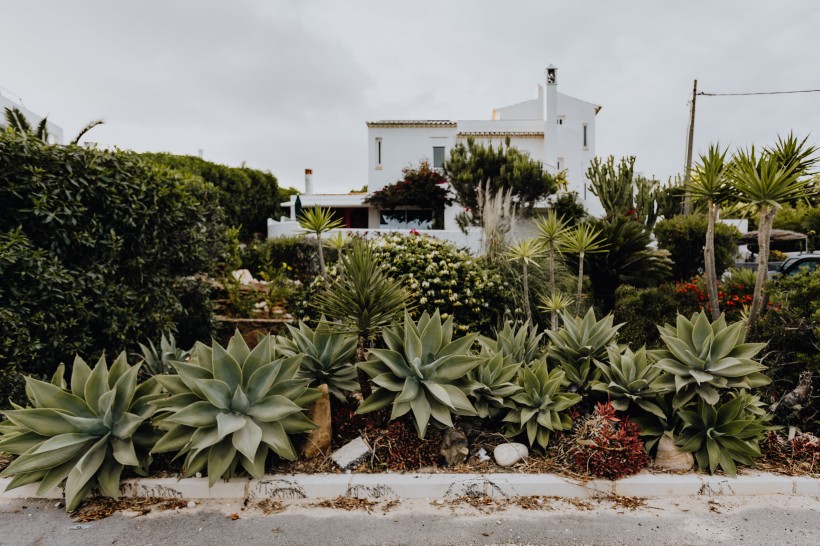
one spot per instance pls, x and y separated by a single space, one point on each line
777 235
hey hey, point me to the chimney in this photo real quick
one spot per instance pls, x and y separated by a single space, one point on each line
308 181
551 117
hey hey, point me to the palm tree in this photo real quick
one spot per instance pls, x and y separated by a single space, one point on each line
318 220
710 182
19 124
526 252
551 231
583 239
776 176
338 242
363 299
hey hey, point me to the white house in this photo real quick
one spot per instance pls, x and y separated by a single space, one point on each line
55 133
553 128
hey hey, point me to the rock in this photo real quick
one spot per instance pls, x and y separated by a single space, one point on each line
351 454
670 457
243 276
454 447
318 441
191 504
482 455
509 454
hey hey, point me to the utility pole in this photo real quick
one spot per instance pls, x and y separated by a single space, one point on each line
687 203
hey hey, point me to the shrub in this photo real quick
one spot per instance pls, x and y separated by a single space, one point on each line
608 446
640 310
733 296
684 237
93 245
422 187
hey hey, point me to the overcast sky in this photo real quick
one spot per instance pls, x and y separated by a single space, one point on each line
285 85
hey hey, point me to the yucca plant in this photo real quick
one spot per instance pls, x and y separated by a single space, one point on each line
85 434
540 405
528 252
319 220
724 433
702 356
551 230
521 343
629 379
555 304
578 342
328 356
159 361
583 239
232 406
494 375
423 370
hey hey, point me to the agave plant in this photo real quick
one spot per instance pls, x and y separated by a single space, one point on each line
654 426
702 357
539 404
578 342
159 361
328 356
423 370
629 378
86 434
521 343
231 406
723 433
494 375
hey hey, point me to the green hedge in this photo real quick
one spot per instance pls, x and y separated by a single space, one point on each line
684 237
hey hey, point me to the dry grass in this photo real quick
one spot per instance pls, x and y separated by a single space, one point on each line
347 503
270 506
101 508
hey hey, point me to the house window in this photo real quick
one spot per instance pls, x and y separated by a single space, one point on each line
586 140
559 164
561 120
438 157
406 219
378 153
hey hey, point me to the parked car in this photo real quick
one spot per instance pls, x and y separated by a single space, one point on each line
801 263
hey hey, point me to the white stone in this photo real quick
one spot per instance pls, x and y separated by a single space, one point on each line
670 457
509 454
191 504
243 276
351 454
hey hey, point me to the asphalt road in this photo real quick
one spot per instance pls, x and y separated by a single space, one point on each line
702 520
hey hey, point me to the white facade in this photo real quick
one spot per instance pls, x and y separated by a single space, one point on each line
553 128
55 132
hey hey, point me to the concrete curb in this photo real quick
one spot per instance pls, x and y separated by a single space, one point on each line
417 486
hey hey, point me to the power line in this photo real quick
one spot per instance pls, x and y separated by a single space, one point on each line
704 93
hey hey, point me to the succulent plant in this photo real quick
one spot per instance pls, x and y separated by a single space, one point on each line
328 356
578 342
231 406
159 361
723 433
494 375
423 370
522 343
653 425
629 378
540 404
702 357
85 434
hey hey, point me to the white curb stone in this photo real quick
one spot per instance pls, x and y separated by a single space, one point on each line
27 491
806 486
658 485
759 484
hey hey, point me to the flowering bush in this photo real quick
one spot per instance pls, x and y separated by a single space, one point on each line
439 276
693 296
422 187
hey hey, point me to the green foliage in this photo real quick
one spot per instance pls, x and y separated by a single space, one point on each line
702 357
423 370
501 168
622 194
724 432
328 356
85 433
683 237
94 246
578 342
803 218
629 379
160 361
568 206
540 405
495 375
628 260
297 254
422 187
521 343
439 276
17 122
640 310
232 406
247 196
317 221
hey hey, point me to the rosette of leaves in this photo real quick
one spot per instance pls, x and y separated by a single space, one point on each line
653 426
629 378
724 433
84 434
423 370
702 357
521 343
328 356
159 361
540 405
495 376
578 342
232 406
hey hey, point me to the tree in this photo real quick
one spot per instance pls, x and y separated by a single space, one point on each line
583 239
499 168
683 236
527 252
317 221
552 229
776 176
710 182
